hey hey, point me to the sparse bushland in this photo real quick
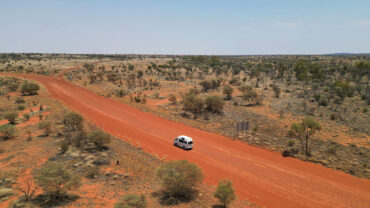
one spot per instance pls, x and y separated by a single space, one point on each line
225 192
178 180
132 201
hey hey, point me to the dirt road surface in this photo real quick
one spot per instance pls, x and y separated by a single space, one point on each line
261 176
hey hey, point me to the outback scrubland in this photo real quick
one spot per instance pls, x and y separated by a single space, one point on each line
280 96
314 108
51 156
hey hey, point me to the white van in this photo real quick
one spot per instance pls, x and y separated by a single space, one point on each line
184 142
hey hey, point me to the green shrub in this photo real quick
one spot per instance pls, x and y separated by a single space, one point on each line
323 102
64 145
172 98
225 192
73 121
19 100
193 104
55 179
132 201
178 178
214 104
20 107
99 138
46 127
91 172
7 131
13 87
11 117
29 88
228 91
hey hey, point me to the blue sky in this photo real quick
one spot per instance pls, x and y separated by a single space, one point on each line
185 26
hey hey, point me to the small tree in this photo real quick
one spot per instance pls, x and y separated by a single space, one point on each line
225 192
193 104
132 201
29 88
303 131
27 188
46 127
11 117
228 91
178 178
73 121
55 180
7 131
214 104
99 138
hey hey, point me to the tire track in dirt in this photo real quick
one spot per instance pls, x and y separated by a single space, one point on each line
262 176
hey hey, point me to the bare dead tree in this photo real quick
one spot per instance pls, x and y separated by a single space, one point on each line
27 188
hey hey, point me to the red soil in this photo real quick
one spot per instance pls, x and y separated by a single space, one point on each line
262 176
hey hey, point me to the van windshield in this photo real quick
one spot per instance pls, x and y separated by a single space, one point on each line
190 142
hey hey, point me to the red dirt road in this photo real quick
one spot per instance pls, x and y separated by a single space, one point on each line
262 176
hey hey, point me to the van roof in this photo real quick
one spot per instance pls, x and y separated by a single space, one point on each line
185 137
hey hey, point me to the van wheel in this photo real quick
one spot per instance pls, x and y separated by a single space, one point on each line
183 147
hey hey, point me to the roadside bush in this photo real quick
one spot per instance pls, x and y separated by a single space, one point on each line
55 180
79 138
121 93
214 104
99 138
225 192
29 88
132 201
7 131
73 121
178 179
193 104
228 91
46 127
11 117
